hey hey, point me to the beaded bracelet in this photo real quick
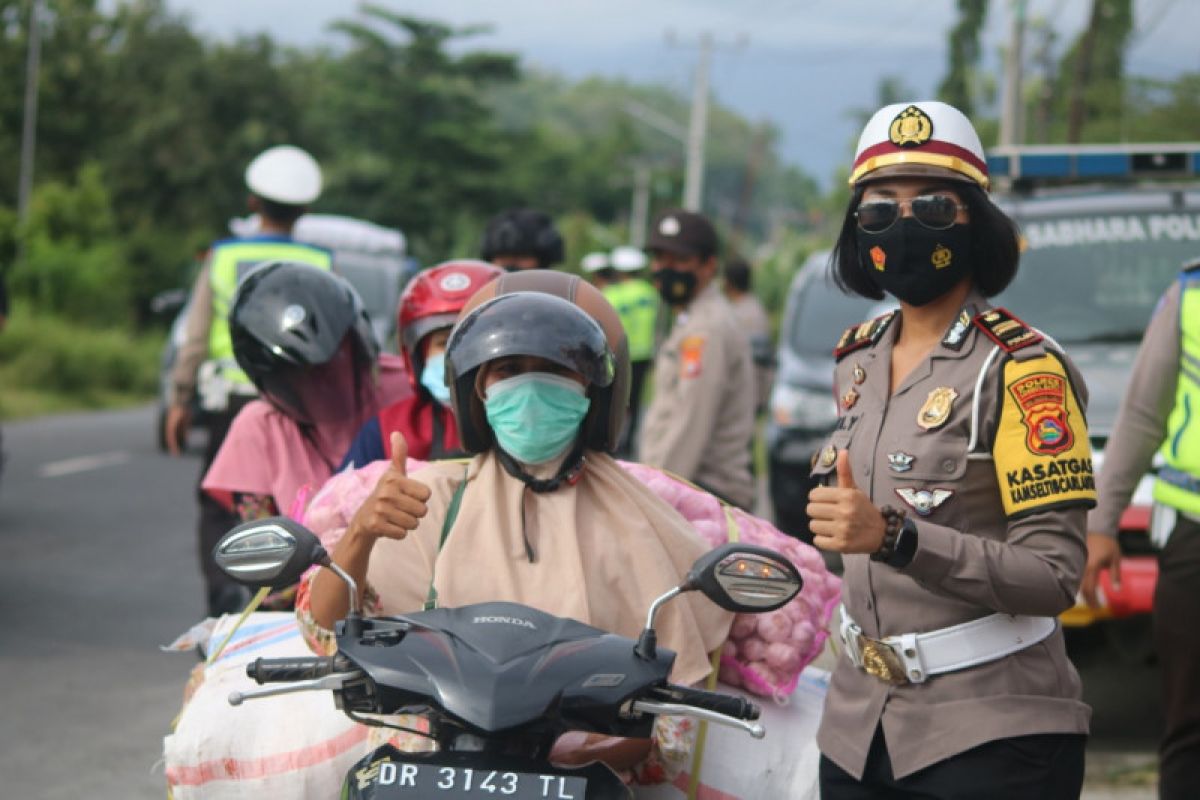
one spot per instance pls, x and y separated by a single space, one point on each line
893 520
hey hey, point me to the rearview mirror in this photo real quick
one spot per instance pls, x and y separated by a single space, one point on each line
745 578
273 552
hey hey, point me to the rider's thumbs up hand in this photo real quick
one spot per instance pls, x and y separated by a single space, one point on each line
399 453
398 502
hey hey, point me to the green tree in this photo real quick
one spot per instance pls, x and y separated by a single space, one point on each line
959 87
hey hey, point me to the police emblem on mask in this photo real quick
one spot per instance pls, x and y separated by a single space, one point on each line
669 227
878 257
1042 398
912 127
941 258
292 316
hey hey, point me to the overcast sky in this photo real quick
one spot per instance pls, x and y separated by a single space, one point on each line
805 65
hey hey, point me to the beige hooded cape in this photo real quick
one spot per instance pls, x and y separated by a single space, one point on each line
602 550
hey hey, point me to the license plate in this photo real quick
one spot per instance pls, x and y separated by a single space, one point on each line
398 779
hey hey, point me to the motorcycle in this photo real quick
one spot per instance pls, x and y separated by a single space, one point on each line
498 682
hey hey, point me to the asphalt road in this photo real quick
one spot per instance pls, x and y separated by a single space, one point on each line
98 570
97 532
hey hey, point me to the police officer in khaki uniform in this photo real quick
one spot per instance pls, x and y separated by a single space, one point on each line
701 419
1156 416
956 486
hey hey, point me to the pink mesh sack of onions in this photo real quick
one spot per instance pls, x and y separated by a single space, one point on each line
765 653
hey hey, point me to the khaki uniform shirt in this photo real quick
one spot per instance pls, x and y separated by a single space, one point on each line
752 320
701 421
1141 424
194 349
1003 532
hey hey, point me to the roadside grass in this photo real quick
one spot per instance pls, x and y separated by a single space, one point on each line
51 365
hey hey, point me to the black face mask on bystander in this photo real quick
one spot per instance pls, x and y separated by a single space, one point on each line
675 286
913 263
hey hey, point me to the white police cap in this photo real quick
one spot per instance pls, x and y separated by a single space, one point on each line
284 174
920 139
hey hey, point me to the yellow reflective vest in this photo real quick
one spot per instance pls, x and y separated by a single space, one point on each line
1178 483
636 301
229 261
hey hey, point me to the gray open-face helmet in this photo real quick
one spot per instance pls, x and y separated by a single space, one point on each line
551 315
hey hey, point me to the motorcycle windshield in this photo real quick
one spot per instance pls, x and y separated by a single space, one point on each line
499 666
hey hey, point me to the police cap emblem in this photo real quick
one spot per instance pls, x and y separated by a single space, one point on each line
912 127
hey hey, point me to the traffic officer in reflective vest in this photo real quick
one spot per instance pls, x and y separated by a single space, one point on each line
637 304
1158 415
283 181
956 485
701 420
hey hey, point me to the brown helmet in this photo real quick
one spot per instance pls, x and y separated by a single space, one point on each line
491 327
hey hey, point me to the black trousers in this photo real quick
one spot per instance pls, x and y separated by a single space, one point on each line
1177 641
1039 767
222 593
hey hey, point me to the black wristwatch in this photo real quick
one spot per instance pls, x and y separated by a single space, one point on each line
906 545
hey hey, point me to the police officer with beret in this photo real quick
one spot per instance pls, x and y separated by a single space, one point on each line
955 485
701 419
1157 416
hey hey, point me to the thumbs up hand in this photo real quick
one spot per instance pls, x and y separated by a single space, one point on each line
844 519
397 504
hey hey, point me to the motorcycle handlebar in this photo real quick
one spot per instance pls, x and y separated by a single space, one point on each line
290 670
728 705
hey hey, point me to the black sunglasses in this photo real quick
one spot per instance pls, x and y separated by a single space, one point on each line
934 211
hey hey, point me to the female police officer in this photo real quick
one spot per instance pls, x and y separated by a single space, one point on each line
963 474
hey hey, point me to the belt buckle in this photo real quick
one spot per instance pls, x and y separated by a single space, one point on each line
881 661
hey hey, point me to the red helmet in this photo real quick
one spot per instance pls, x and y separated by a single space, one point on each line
432 300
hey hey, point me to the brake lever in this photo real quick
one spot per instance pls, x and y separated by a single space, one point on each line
333 682
680 709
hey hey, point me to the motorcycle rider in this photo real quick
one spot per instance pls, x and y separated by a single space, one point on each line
303 338
428 308
522 238
538 372
282 181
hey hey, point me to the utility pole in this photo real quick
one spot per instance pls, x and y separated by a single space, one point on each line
29 121
1011 123
693 182
639 210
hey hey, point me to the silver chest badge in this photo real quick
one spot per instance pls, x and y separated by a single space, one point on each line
924 501
900 461
292 316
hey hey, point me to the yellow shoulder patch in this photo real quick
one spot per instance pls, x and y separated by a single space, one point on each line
1041 449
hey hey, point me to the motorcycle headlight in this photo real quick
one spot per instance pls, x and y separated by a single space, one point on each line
800 407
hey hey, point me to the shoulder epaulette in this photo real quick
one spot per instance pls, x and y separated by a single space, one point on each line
1006 330
862 335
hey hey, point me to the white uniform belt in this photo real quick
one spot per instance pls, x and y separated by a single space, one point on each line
913 657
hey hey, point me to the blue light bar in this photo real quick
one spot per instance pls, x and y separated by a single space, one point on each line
1091 162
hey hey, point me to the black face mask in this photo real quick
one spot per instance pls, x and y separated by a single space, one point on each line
676 287
913 263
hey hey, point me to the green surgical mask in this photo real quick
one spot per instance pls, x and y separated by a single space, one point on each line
536 415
